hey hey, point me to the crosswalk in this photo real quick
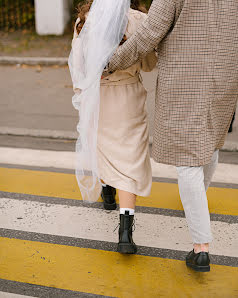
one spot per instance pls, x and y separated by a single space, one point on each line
53 244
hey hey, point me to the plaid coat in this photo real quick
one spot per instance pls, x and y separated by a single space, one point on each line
197 85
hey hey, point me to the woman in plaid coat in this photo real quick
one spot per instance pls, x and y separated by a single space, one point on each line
196 95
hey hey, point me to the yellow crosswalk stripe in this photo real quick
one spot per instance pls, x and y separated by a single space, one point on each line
163 195
109 273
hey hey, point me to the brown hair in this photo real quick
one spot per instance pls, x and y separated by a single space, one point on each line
84 7
137 5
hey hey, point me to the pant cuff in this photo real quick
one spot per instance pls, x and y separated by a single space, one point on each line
203 240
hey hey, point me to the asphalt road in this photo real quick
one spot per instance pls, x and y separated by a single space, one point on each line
37 101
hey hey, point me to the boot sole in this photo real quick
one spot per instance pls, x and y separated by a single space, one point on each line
112 206
126 248
199 268
109 206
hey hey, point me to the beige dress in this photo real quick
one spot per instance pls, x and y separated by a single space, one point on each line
123 136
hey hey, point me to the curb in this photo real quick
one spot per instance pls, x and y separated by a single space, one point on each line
229 146
47 61
38 133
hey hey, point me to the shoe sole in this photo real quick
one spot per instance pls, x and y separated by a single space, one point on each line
112 206
199 268
107 206
126 248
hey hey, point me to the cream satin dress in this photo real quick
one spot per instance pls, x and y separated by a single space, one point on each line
123 135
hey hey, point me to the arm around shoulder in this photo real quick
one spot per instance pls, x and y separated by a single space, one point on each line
147 37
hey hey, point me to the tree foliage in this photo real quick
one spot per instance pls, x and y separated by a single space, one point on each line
17 14
20 14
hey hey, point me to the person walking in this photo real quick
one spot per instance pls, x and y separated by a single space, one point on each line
123 156
196 96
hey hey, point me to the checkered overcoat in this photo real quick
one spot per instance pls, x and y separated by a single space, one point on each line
197 85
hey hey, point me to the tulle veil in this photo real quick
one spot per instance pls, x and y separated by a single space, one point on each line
91 50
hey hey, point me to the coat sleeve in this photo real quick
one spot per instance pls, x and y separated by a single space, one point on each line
147 37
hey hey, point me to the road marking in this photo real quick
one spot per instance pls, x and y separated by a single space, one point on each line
32 157
22 289
11 295
231 219
109 273
152 230
164 253
163 195
225 173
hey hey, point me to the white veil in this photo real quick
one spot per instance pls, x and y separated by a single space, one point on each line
91 50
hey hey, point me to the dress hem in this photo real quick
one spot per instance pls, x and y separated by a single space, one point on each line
125 187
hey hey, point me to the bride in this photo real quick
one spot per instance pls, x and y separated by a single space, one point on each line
121 130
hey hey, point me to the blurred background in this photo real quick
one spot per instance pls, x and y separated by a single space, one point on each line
35 39
36 89
21 20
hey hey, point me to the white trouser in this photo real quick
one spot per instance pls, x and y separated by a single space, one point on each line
193 183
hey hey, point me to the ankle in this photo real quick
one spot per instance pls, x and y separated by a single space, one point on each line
131 211
201 247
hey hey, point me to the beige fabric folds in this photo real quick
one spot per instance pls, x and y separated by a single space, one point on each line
123 136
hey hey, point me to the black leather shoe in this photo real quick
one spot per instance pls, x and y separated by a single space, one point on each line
126 244
108 196
199 262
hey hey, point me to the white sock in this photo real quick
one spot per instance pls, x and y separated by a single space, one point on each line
123 210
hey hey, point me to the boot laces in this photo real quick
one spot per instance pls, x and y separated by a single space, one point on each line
116 227
133 226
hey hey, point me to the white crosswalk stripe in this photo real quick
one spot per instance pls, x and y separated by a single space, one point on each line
66 160
11 295
152 230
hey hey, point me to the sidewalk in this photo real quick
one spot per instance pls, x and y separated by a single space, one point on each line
29 44
36 100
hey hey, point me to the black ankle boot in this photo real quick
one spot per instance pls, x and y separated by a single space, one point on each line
198 262
108 196
126 244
